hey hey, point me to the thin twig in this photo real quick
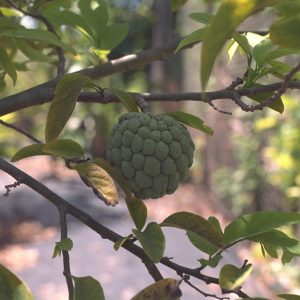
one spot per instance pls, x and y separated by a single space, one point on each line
219 110
277 94
186 278
235 83
20 130
65 254
9 187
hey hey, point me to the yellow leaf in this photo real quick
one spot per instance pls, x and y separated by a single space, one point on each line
100 181
165 289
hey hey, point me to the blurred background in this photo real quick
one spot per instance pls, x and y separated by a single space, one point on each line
250 163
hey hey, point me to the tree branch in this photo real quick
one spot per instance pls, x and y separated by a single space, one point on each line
20 130
186 278
44 92
65 254
15 103
66 207
103 231
276 96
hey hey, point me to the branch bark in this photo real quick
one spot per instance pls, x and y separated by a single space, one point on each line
66 257
15 103
86 219
44 92
103 231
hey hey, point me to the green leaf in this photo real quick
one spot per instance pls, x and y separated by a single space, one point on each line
256 223
138 212
7 65
212 262
196 224
76 21
260 50
231 48
9 23
11 287
97 18
242 40
275 239
271 250
267 55
100 181
195 37
262 249
118 244
229 15
10 12
113 35
152 240
288 7
65 148
285 32
63 104
176 4
280 68
165 289
37 35
87 288
32 150
215 222
56 251
33 54
277 105
100 53
127 100
286 257
191 120
65 244
116 175
201 17
289 296
232 278
201 243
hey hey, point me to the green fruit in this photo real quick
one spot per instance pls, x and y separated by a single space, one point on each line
154 152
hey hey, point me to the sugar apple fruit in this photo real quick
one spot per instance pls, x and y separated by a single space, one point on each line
154 152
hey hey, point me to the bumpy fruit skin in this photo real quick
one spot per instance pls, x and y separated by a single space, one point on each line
154 152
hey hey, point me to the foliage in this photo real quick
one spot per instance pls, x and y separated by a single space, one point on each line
48 42
275 146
